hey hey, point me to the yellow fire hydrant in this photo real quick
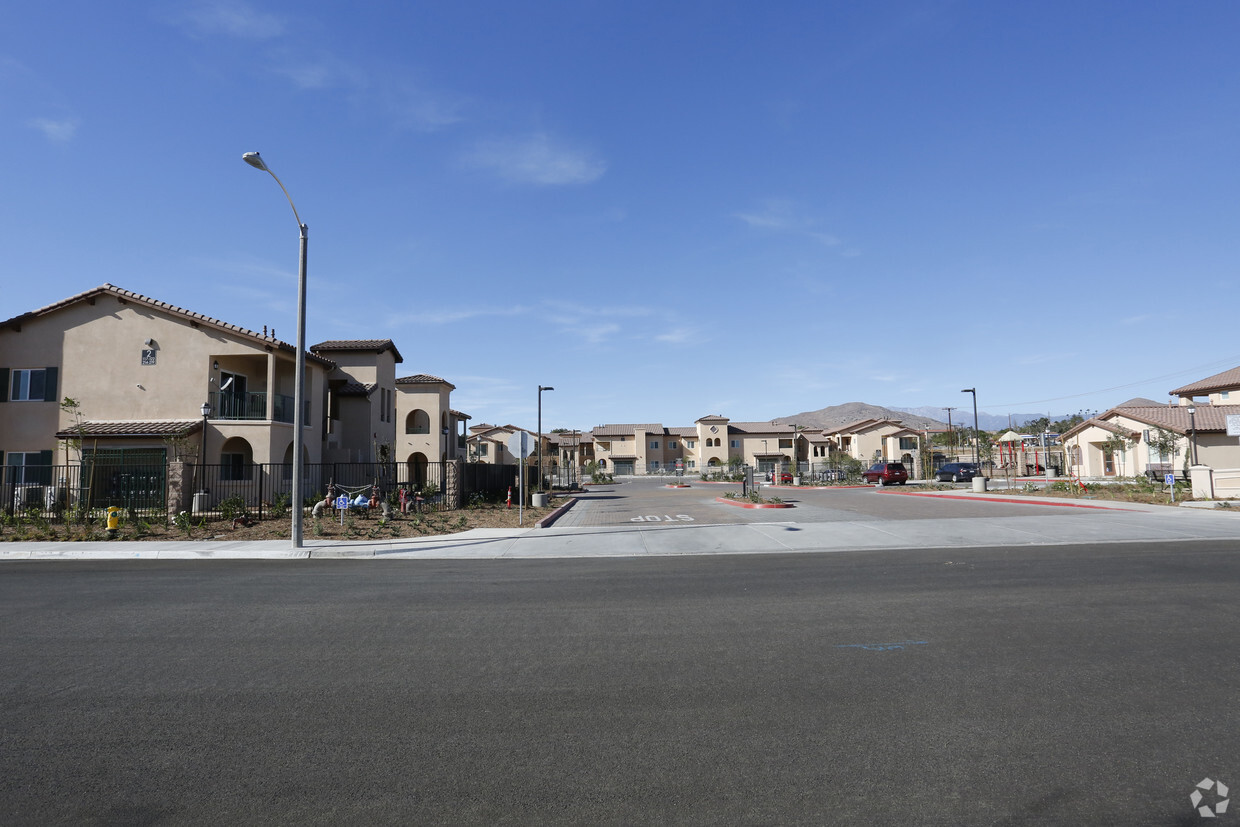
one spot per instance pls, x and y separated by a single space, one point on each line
114 521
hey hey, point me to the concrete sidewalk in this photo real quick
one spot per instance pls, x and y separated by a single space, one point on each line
1080 522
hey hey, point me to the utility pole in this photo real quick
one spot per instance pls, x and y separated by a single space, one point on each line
951 432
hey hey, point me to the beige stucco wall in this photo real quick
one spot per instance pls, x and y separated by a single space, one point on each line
706 454
435 400
1136 459
98 349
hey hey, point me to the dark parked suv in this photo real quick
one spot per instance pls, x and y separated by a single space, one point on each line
888 473
958 472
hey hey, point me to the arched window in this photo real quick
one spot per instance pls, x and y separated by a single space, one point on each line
418 422
236 459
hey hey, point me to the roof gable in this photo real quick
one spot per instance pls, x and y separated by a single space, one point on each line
1227 380
194 319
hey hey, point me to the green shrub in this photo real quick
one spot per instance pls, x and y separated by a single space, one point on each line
232 508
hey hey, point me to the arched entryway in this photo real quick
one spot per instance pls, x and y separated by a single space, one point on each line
415 469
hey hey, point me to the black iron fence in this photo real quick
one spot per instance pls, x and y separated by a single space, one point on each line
229 489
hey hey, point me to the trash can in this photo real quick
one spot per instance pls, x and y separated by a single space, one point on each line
979 484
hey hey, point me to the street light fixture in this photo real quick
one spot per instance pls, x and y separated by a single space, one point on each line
299 387
540 435
1192 427
205 410
976 446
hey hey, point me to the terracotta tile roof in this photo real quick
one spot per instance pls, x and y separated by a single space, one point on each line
424 379
1227 380
379 345
626 430
712 418
356 389
171 310
686 432
458 414
1174 418
759 428
155 428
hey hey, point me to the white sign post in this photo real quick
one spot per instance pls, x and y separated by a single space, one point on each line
342 505
520 444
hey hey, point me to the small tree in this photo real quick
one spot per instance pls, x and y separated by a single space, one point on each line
1118 444
73 408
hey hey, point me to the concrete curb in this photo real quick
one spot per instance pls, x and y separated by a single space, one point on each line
555 515
743 504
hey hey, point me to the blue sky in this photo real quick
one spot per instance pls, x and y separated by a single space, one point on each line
662 209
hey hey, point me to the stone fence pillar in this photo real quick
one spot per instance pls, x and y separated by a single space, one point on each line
452 485
180 475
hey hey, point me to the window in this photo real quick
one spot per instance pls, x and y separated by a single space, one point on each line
691 464
785 443
483 448
28 467
654 443
735 444
1224 395
671 445
689 443
31 384
908 443
234 467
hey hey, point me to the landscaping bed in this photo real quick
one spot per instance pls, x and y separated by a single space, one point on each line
328 527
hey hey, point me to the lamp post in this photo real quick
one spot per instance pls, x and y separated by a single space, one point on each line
205 410
299 386
1192 427
976 447
540 436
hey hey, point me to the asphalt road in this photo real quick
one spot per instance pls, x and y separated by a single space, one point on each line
1064 685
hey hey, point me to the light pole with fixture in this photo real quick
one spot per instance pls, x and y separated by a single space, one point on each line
1192 428
977 460
540 436
205 410
299 386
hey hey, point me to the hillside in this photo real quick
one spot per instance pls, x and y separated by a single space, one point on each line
836 415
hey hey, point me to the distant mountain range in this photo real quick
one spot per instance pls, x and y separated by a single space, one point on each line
915 418
985 421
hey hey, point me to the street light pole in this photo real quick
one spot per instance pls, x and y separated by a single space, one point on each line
540 436
976 446
951 434
299 386
1192 427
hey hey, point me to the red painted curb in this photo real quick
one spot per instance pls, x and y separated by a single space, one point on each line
743 504
677 486
1016 500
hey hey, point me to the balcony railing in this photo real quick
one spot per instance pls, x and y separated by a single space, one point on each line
250 406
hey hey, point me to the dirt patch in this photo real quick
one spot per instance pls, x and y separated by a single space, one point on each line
329 527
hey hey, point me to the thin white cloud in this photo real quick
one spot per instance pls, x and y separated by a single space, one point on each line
592 333
536 159
324 72
782 216
58 131
678 336
412 106
230 18
454 316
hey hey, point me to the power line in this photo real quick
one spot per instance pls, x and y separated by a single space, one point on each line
1229 361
